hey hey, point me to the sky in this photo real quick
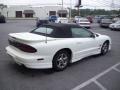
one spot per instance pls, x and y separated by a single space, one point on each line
85 3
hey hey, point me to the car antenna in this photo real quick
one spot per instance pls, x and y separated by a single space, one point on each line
46 36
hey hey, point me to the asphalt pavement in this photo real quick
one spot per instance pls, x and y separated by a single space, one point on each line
92 73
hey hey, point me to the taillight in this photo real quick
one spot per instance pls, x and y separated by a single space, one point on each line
23 47
27 48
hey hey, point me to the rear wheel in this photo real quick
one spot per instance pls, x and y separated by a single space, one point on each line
61 60
105 48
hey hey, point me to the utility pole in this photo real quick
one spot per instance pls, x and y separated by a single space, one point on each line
62 4
112 6
78 6
70 9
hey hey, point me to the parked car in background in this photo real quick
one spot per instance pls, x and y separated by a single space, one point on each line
55 46
40 21
53 18
76 19
90 19
99 18
84 22
105 22
103 17
115 26
2 19
62 20
116 19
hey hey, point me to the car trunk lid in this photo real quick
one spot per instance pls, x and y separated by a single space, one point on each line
26 36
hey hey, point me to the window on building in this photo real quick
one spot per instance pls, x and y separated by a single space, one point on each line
52 13
62 15
29 15
18 14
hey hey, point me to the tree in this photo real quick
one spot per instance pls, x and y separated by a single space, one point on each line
93 12
2 6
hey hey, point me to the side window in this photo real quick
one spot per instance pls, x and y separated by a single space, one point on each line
80 33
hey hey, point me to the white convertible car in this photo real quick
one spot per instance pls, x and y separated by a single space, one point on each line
55 46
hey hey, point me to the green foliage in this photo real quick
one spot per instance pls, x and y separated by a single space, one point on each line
2 6
93 12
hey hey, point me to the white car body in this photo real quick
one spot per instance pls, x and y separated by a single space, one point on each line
115 26
116 19
47 47
84 22
76 19
62 20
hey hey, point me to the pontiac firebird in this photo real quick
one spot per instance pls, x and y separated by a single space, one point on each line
55 46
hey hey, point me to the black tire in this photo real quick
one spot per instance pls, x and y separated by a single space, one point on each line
88 27
4 21
105 48
59 21
111 29
61 60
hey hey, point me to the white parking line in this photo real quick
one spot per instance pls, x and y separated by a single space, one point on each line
116 69
95 78
100 85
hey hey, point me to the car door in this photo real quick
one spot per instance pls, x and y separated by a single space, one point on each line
85 43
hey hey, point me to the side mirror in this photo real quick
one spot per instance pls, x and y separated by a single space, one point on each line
96 35
93 35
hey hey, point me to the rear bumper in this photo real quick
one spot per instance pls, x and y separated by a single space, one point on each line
29 61
105 24
113 28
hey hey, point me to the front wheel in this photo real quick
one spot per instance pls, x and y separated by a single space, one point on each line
105 48
61 60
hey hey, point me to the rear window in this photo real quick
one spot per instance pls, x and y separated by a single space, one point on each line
77 17
44 30
84 20
106 20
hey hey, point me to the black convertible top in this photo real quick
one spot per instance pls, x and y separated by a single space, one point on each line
60 30
61 25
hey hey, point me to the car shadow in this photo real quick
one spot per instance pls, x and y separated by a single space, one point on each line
41 72
93 57
85 59
29 72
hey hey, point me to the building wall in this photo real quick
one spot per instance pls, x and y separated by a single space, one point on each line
3 11
39 11
12 10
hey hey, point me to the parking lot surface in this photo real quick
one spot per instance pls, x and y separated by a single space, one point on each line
92 73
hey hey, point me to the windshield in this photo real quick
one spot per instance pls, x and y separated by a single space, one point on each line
53 17
77 17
